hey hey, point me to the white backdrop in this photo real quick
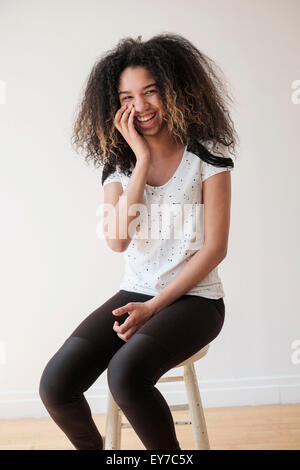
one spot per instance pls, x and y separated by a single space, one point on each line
55 270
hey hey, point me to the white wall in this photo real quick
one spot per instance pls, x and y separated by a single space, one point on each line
54 268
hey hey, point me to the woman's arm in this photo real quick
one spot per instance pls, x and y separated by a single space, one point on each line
117 235
216 199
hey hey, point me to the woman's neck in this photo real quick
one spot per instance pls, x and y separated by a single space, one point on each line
163 146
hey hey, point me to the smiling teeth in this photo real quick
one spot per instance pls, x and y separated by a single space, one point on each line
146 119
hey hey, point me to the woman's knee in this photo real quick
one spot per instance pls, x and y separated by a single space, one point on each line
133 370
117 376
51 387
70 371
56 381
123 379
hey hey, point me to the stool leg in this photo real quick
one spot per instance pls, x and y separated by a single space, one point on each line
195 406
113 425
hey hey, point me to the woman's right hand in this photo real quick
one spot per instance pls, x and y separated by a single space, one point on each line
124 122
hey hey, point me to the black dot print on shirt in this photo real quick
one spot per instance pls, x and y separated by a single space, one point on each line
180 248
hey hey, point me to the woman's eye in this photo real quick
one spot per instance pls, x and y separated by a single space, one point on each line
149 91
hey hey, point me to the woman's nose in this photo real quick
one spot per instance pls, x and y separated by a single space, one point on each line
141 105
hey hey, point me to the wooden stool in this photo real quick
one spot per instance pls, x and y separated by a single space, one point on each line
114 423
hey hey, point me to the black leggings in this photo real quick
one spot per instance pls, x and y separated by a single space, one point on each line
133 367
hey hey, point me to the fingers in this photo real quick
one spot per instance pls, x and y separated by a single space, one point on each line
120 111
125 335
130 119
123 309
121 117
118 115
118 329
128 323
127 113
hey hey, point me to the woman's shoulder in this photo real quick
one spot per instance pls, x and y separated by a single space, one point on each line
210 152
113 172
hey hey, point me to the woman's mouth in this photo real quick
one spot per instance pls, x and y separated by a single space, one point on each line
146 121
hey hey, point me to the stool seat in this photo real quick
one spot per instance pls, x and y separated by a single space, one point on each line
195 357
114 423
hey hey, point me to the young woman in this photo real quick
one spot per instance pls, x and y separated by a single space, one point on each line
155 115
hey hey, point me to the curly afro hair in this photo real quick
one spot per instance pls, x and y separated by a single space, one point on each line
193 94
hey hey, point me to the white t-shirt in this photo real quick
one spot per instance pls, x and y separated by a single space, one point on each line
174 213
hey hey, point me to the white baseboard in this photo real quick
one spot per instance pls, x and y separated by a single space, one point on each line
214 393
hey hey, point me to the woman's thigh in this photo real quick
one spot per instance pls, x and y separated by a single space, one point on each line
169 337
85 353
166 339
187 325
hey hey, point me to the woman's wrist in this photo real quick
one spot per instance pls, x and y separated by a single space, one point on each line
153 306
143 161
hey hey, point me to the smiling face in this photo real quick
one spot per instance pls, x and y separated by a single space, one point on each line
137 86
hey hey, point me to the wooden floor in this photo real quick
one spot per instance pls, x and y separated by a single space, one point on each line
245 427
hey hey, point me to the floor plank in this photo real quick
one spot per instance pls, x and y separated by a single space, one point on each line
267 427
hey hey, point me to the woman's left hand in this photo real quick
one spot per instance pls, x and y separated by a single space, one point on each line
139 313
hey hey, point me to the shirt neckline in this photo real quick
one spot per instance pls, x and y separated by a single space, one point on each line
172 177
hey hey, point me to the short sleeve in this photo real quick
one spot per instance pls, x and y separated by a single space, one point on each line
114 177
207 169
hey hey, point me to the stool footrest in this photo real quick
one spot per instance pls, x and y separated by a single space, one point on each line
182 421
176 378
125 425
179 407
172 407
